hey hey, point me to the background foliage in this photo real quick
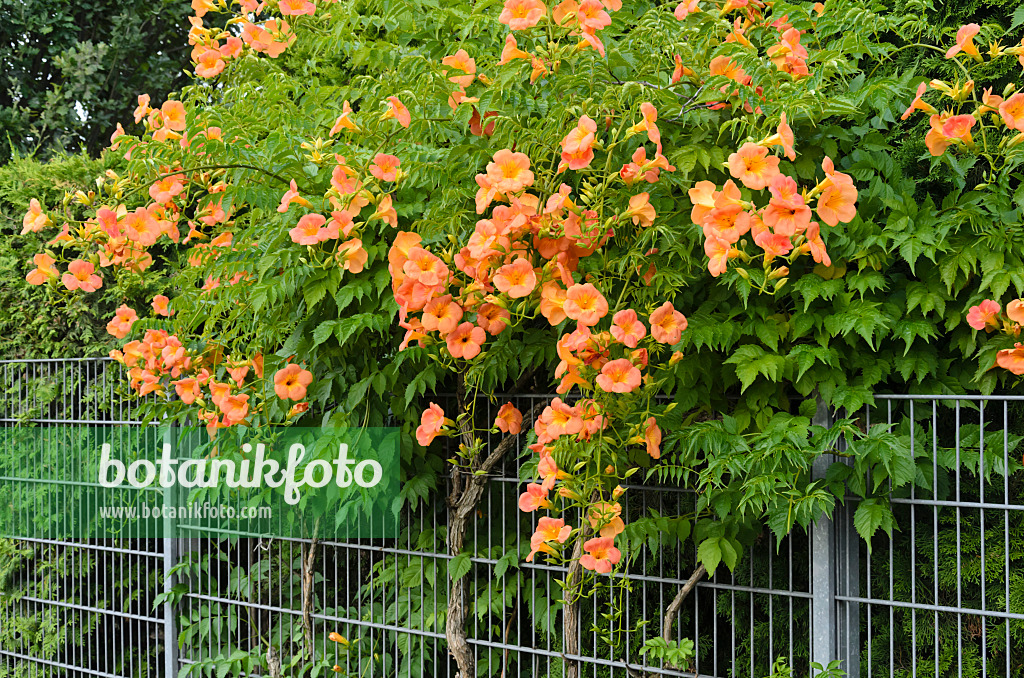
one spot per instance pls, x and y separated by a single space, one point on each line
72 70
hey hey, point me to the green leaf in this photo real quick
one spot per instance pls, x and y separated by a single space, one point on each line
1018 19
752 360
322 331
870 515
459 566
709 553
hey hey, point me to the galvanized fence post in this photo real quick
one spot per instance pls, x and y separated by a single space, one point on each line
835 571
170 548
823 566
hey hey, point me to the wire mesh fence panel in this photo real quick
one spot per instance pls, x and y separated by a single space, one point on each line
69 607
944 595
941 597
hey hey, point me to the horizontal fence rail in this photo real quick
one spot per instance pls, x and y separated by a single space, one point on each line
942 596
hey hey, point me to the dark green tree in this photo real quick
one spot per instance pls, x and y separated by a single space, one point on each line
73 70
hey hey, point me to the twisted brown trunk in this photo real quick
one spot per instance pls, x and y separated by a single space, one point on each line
307 555
467 490
571 610
455 626
673 608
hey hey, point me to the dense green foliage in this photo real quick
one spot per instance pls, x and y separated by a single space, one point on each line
31 325
931 236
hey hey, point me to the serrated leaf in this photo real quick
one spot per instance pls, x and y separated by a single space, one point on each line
709 553
872 514
459 566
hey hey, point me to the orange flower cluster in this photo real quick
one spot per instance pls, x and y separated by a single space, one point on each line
954 127
348 194
783 226
159 361
122 239
987 317
271 37
576 19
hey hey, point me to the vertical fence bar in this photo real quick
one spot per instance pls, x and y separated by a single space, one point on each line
823 566
170 544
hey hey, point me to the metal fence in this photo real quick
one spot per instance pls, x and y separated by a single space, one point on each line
941 597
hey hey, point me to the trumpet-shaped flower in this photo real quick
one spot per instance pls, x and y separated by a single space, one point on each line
290 382
296 7
837 203
965 42
600 555
291 196
463 62
648 124
166 188
517 279
618 376
465 341
790 217
121 324
548 530
686 8
919 104
81 276
43 271
959 127
552 298
187 389
511 51
640 210
534 498
431 423
1012 359
627 328
1012 111
352 255
729 223
235 407
385 167
753 166
1015 311
652 438
344 120
519 15
309 230
984 316
667 324
577 146
702 195
509 419
585 304
173 113
717 250
34 220
442 315
592 17
815 245
398 111
509 172
492 318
